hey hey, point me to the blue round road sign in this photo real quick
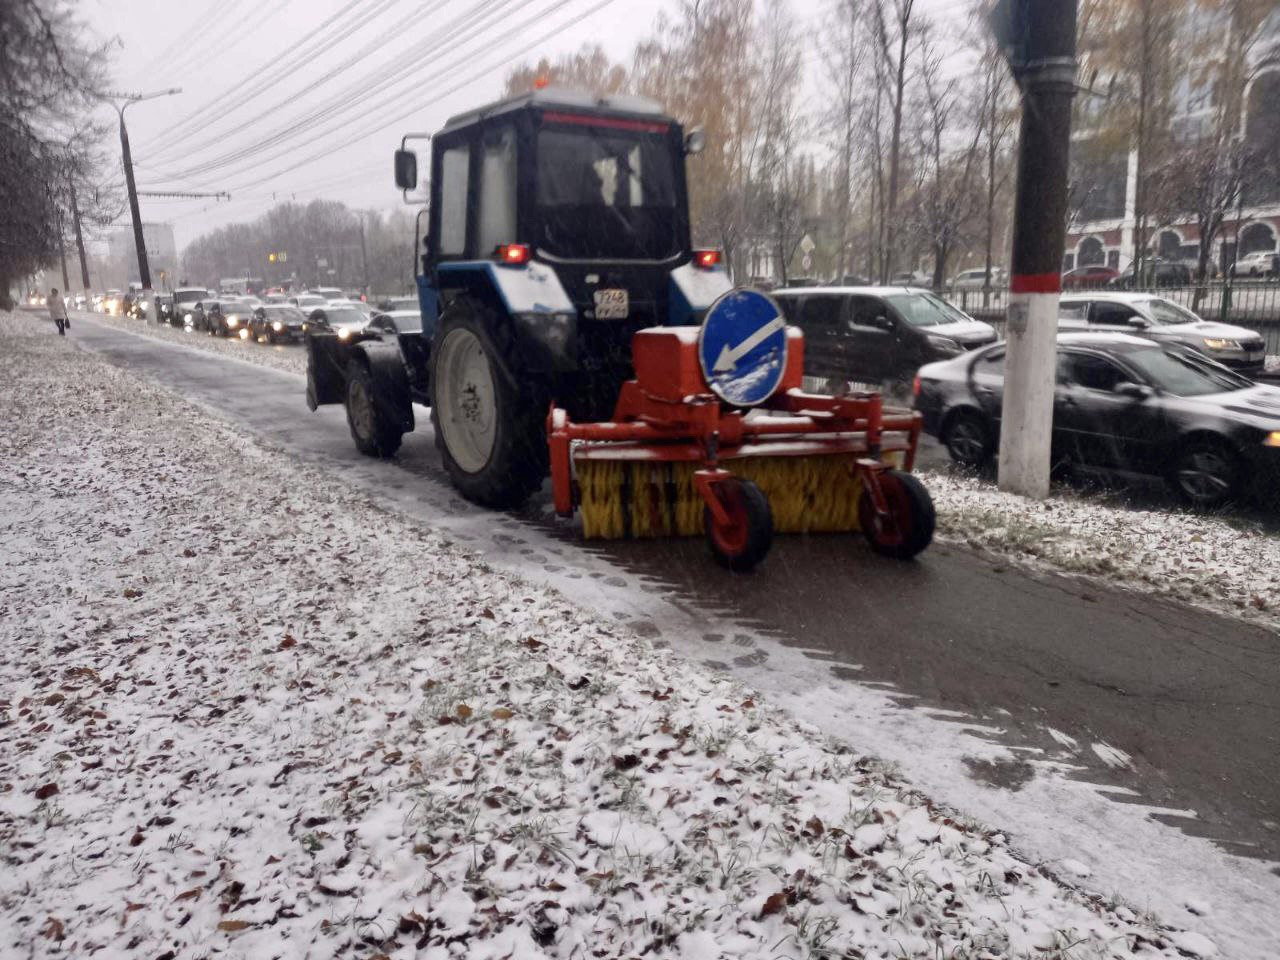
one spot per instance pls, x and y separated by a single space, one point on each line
743 347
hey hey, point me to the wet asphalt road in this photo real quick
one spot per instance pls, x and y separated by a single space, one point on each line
1192 697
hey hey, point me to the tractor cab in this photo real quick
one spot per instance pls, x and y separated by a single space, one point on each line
557 226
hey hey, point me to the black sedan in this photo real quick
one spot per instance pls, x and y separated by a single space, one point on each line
277 323
1122 405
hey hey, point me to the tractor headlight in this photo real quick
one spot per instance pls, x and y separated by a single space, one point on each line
1272 439
1221 343
304 328
344 332
277 326
144 306
186 318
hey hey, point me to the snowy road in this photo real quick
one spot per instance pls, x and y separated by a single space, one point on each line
1026 690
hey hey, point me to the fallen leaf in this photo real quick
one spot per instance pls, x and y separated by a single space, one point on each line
288 642
188 894
131 594
46 791
488 614
463 711
233 925
502 713
815 827
53 929
774 904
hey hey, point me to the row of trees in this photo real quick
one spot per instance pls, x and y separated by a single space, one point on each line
324 243
895 163
1174 83
51 195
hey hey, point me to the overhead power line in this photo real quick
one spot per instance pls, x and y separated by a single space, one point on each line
473 22
381 124
263 78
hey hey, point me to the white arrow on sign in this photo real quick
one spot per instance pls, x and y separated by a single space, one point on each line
729 357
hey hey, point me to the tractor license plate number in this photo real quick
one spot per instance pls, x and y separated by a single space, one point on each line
612 305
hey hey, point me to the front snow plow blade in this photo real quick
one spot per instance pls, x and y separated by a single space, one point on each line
677 461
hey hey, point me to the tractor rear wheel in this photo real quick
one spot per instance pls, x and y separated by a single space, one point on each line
907 527
490 432
745 540
374 436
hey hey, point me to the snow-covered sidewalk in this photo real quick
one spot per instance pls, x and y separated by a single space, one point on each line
249 714
291 358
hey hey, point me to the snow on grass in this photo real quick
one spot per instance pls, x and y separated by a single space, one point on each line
247 713
1211 560
291 358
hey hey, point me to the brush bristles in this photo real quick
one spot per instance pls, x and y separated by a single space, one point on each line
638 498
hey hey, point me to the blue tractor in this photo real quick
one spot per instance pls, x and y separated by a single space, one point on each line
558 226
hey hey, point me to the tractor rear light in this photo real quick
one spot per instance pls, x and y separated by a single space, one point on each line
706 259
915 386
513 254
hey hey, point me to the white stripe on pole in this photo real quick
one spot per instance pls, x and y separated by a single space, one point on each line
1030 366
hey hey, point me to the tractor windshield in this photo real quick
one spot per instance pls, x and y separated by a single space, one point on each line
607 191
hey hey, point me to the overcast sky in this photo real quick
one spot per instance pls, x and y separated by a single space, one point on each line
271 106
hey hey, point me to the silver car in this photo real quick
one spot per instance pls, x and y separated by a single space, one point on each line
1154 317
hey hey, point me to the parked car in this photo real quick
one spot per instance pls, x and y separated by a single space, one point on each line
328 293
977 279
306 302
1089 278
277 323
342 320
1122 404
911 278
1154 317
878 334
1260 263
390 304
1155 273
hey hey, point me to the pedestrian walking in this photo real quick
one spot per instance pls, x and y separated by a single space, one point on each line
58 312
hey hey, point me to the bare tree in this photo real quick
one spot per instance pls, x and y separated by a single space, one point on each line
49 79
945 197
895 31
843 44
998 114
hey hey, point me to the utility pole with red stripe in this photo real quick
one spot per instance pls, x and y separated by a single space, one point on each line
1039 41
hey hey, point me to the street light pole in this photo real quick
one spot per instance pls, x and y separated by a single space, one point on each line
144 268
1039 37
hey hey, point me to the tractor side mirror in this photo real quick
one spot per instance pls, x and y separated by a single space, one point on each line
406 169
694 141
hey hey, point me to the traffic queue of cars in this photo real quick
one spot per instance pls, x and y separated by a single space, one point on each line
272 319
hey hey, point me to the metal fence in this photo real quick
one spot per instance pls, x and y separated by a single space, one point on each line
1252 304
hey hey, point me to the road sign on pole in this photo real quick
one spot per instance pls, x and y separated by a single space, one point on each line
742 347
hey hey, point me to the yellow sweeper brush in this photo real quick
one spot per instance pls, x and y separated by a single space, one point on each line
689 453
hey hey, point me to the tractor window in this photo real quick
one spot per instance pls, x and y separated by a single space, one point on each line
606 193
497 192
453 200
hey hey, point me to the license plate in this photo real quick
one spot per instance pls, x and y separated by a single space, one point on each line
612 305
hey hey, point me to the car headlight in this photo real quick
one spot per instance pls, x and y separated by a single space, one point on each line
186 318
1272 439
344 332
304 328
277 326
233 321
1220 343
946 344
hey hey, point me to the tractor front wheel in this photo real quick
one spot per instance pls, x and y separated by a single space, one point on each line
743 542
491 433
906 527
374 436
